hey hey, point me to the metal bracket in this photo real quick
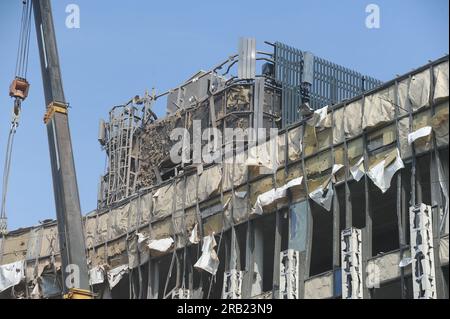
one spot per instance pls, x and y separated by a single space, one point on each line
54 107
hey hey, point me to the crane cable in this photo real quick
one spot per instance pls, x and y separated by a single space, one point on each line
20 73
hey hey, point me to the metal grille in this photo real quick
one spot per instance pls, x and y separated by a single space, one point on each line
331 83
288 70
334 83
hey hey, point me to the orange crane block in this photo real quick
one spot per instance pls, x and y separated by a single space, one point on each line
19 88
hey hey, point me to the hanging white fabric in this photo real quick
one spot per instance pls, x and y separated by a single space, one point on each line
161 245
193 238
357 170
208 261
420 133
382 173
115 275
11 274
273 195
319 118
96 275
323 195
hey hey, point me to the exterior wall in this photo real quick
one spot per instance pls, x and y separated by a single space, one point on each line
374 127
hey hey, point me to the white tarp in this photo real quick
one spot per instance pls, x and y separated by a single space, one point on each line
208 261
422 132
295 143
11 274
336 168
403 131
379 108
353 119
141 238
440 124
162 201
402 94
274 194
115 275
193 238
405 262
441 88
357 170
235 174
323 195
236 207
338 126
320 118
419 90
444 188
118 221
141 241
137 244
240 207
264 155
381 174
209 182
96 275
160 245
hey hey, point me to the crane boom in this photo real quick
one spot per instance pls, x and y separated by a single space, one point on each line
70 227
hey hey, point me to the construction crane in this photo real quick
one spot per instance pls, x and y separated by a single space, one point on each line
70 228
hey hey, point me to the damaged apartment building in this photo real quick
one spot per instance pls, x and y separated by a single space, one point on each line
354 204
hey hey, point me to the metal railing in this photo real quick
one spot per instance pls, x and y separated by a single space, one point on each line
304 77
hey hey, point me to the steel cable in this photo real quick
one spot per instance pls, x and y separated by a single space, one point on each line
20 72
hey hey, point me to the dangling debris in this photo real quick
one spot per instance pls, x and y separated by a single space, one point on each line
208 260
194 239
161 245
115 275
357 170
11 275
419 134
382 173
96 275
323 195
273 195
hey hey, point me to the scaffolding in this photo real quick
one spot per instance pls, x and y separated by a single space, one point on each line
119 139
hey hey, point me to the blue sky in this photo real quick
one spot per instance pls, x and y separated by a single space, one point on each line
125 47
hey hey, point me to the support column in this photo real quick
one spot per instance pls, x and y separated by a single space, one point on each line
436 206
258 259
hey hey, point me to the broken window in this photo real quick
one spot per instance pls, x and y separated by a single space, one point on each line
384 219
167 275
392 290
322 241
122 289
423 179
340 193
212 285
263 251
358 200
241 237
